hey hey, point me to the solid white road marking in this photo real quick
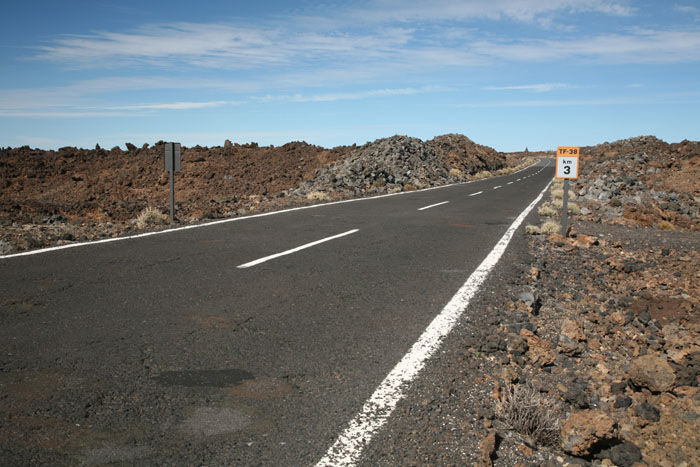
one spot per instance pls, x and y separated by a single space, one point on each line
294 250
477 193
374 414
432 206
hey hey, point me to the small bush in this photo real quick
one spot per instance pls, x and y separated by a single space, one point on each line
557 193
151 216
525 410
318 196
532 230
558 203
547 210
665 225
550 227
573 208
456 173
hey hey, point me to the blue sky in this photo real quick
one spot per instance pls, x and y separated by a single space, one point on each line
506 73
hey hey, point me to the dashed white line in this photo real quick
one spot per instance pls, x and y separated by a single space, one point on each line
510 183
294 250
432 206
376 411
497 187
477 193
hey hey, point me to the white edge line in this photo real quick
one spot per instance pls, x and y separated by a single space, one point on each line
294 250
376 411
477 193
235 219
432 206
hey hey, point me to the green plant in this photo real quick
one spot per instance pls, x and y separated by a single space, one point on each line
528 411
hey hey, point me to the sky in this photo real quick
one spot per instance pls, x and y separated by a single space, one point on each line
510 74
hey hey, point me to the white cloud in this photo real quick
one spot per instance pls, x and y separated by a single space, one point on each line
636 47
516 10
351 95
543 87
175 105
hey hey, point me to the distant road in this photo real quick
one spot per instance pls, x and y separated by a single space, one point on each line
252 342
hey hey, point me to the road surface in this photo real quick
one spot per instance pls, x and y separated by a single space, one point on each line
252 342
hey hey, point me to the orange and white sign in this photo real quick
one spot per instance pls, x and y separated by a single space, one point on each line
567 161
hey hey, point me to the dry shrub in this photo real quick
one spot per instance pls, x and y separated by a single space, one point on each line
532 230
150 216
573 208
529 412
547 210
318 196
550 227
665 225
456 173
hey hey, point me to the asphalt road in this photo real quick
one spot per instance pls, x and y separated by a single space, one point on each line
162 350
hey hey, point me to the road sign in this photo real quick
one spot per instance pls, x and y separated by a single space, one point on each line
172 165
567 162
172 157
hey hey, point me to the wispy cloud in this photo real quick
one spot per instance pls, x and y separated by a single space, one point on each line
527 11
351 95
175 105
219 46
640 46
688 10
544 87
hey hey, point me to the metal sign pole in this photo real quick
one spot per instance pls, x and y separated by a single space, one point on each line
565 213
172 163
172 194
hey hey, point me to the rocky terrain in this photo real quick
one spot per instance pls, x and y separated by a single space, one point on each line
56 197
585 349
580 350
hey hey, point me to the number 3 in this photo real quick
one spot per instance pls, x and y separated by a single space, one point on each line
567 170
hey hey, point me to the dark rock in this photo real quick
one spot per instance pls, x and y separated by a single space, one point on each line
493 344
576 396
625 454
622 402
647 412
618 387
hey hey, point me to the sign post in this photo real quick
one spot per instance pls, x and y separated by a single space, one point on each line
172 164
567 169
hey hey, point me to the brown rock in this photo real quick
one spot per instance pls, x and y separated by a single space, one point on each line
584 430
539 351
487 448
679 342
584 241
573 329
557 239
652 372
